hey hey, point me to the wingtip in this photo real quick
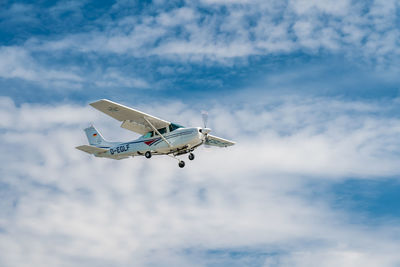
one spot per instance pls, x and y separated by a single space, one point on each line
101 101
94 102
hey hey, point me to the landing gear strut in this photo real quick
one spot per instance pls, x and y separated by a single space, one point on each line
191 156
147 154
181 164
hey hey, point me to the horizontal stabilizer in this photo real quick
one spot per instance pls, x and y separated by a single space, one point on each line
218 141
120 157
92 149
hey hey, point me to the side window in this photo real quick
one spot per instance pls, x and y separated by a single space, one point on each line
162 130
148 135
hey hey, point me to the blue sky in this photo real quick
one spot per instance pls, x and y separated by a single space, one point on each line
308 89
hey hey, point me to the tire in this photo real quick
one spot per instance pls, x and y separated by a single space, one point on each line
181 164
147 154
191 156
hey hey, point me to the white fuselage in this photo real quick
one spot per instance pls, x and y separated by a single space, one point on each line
181 139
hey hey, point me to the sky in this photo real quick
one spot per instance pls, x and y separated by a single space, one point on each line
308 90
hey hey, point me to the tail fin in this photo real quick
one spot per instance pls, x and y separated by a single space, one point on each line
94 137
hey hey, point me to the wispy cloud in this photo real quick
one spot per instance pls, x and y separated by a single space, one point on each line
17 63
18 13
231 30
203 34
112 78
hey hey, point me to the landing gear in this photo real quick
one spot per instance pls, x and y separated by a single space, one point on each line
181 164
191 156
147 154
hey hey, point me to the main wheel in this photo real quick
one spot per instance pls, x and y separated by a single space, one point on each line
147 154
181 164
191 156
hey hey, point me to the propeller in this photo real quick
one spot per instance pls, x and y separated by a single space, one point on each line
204 115
205 130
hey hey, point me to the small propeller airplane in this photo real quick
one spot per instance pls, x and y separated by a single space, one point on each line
159 137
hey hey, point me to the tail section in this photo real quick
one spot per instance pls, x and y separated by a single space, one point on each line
98 146
95 138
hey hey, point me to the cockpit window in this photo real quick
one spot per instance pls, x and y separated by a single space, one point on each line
173 127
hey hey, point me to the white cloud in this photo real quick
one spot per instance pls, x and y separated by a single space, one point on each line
329 7
246 29
112 78
18 13
335 257
18 63
177 17
71 209
228 33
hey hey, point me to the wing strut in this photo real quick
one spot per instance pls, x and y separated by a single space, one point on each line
155 129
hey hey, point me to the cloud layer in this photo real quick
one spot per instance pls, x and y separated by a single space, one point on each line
221 30
267 201
143 37
64 208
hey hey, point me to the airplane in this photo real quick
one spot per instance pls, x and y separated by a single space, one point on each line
158 137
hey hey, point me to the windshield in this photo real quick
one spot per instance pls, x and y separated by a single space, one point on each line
173 127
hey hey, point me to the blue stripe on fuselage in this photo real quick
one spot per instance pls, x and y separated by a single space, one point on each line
172 136
159 138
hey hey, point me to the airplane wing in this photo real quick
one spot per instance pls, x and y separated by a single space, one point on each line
91 149
132 119
218 141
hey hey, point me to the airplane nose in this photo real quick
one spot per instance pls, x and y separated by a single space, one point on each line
204 130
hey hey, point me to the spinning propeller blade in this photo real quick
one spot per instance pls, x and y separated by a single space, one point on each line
205 130
204 115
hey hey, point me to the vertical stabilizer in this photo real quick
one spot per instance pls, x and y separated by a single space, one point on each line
95 138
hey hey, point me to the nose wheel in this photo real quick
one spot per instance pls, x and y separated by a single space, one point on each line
147 154
181 164
191 156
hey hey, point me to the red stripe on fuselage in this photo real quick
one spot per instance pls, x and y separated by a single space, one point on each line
150 142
